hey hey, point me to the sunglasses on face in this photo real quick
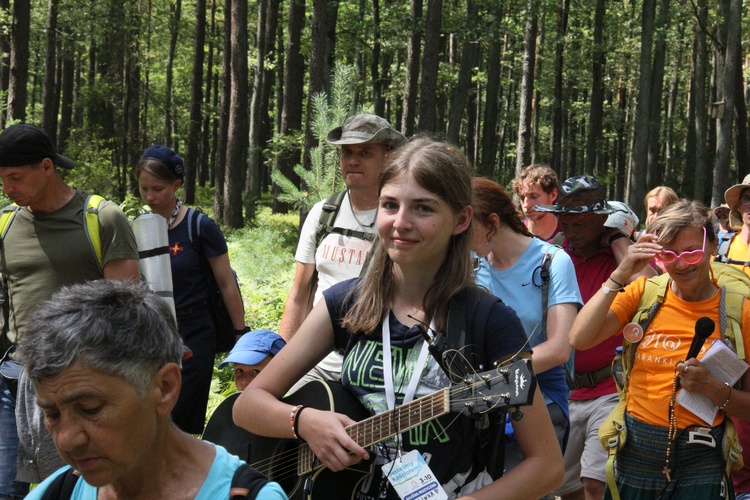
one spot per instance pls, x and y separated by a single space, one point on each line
692 257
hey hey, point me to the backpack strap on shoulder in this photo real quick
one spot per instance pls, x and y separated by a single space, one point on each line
6 218
91 226
544 272
730 319
61 488
722 247
246 483
327 219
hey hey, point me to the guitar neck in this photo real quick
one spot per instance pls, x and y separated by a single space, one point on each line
384 425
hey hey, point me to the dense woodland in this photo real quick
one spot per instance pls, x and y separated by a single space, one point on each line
636 92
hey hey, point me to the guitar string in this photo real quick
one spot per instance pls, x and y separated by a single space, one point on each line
286 464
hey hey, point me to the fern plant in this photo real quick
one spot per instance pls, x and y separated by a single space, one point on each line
324 176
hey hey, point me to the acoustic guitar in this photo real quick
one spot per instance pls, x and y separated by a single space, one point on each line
303 476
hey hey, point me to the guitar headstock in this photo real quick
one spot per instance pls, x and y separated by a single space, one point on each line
494 390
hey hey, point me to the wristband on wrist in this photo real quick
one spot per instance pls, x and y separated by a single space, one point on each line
295 428
616 283
293 419
242 331
606 289
726 401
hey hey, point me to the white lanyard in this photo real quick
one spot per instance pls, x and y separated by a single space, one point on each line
390 395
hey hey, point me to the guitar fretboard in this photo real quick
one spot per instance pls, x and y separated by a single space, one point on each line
380 427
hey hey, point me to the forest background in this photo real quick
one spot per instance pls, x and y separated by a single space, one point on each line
636 92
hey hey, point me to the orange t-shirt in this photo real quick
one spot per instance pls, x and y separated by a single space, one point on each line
666 342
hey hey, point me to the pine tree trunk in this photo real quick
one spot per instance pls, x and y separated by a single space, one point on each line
636 188
430 62
469 59
19 61
523 144
49 110
174 23
291 113
192 160
596 112
411 85
563 8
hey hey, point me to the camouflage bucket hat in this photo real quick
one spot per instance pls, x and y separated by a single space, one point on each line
365 128
579 195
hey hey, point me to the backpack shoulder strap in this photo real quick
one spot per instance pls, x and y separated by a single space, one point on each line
730 318
722 247
722 251
195 217
558 239
246 483
652 297
91 225
328 217
6 218
544 272
61 488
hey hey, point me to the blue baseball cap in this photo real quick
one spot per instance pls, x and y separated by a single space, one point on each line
254 347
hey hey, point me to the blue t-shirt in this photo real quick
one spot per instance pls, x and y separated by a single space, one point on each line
446 443
187 274
216 486
519 287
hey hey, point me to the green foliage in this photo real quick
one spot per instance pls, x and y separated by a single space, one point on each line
323 178
263 257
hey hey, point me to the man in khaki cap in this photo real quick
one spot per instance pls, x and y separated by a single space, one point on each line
328 253
735 249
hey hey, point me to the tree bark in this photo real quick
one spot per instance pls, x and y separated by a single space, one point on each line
700 108
430 62
726 120
636 189
469 59
4 60
193 156
67 85
19 61
291 113
317 66
252 182
411 85
174 24
563 8
523 144
596 112
654 169
206 153
49 110
226 93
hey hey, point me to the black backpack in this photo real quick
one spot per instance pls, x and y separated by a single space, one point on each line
246 484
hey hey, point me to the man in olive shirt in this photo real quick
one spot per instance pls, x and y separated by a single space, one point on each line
45 247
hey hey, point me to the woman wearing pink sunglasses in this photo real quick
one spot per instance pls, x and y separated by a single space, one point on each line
662 458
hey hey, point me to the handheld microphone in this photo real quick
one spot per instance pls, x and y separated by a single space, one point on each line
704 327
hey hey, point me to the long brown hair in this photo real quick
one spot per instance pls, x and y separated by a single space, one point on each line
491 198
443 170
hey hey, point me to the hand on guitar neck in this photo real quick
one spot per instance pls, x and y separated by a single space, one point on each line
325 433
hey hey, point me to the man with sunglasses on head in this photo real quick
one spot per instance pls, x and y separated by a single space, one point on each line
596 250
735 249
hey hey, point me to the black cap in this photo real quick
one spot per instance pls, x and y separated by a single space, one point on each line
24 144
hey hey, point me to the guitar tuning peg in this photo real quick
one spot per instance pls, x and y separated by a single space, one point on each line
517 414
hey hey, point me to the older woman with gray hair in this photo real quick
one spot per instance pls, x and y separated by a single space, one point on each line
104 358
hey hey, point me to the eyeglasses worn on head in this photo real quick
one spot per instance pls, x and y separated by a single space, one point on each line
692 257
